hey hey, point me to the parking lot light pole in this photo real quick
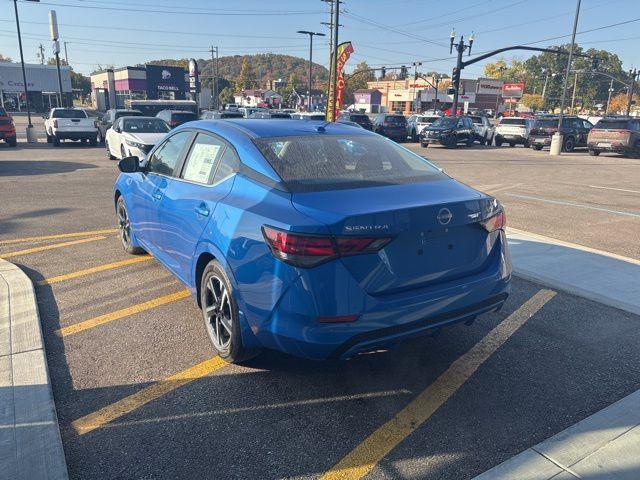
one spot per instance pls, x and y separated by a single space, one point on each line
31 133
311 34
556 139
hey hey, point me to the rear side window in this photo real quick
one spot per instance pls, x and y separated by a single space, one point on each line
201 162
165 158
184 117
229 164
69 113
317 163
396 119
359 118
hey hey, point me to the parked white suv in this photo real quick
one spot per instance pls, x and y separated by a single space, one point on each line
513 130
70 124
417 123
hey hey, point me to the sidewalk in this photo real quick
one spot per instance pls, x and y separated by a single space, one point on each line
605 445
30 443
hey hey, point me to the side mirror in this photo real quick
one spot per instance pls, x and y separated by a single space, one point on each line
129 164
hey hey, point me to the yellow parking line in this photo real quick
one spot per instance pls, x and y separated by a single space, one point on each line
89 271
50 247
364 457
60 235
132 402
118 314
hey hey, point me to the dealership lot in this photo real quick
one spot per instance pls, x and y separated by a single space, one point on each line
139 394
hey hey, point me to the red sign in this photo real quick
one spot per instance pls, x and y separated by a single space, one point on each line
513 90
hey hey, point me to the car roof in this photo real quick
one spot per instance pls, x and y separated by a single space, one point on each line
259 128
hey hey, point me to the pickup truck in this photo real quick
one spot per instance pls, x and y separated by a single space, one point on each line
70 124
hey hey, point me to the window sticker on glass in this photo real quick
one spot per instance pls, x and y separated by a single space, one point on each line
201 162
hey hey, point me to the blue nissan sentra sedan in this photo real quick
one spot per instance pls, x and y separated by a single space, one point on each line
317 239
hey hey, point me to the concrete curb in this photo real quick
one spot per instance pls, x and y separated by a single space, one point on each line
604 445
30 443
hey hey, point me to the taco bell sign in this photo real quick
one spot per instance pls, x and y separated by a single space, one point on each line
194 81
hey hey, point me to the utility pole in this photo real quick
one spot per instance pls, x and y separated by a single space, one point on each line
31 134
634 76
415 76
334 57
455 80
329 24
41 54
606 110
311 34
573 95
53 25
214 78
556 139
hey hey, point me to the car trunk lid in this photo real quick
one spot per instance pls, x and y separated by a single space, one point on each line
435 228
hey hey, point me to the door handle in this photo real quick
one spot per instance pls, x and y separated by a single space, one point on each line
202 210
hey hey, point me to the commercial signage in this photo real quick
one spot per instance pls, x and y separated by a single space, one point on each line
40 78
345 50
513 90
164 78
194 81
489 86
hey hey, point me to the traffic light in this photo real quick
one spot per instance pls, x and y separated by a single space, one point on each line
403 72
455 77
383 72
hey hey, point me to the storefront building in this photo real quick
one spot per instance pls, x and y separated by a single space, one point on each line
367 100
110 88
42 85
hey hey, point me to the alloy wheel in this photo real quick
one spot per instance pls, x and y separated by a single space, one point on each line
124 226
218 313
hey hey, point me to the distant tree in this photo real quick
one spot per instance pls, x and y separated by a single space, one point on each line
619 102
226 95
246 78
514 71
5 59
357 80
533 101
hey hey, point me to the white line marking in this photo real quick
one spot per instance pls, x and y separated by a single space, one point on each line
616 189
505 188
573 204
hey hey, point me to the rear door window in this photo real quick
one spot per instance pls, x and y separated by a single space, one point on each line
203 156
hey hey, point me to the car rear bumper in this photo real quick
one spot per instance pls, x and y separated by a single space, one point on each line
383 320
603 146
76 135
544 141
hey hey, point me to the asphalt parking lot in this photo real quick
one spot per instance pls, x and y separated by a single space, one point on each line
140 395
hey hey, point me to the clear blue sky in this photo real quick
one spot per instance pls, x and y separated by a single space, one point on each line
125 32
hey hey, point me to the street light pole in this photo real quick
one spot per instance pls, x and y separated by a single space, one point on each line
311 34
460 47
557 140
31 134
634 75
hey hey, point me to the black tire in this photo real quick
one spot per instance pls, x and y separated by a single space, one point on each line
451 142
469 142
487 141
414 135
99 137
498 141
124 228
12 142
512 145
49 138
216 313
569 145
109 156
594 153
536 146
93 141
55 141
424 145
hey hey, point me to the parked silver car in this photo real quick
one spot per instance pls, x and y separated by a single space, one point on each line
485 130
416 123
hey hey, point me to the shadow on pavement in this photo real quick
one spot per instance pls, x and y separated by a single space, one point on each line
11 168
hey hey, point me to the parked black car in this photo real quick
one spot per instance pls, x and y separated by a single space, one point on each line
449 131
212 115
574 131
175 118
390 125
109 118
361 119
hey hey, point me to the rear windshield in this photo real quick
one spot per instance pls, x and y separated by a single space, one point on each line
316 163
395 119
183 117
427 119
231 115
547 123
513 121
446 122
145 125
128 113
69 113
613 124
360 118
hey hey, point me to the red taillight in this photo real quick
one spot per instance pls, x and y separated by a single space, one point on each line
497 222
310 250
